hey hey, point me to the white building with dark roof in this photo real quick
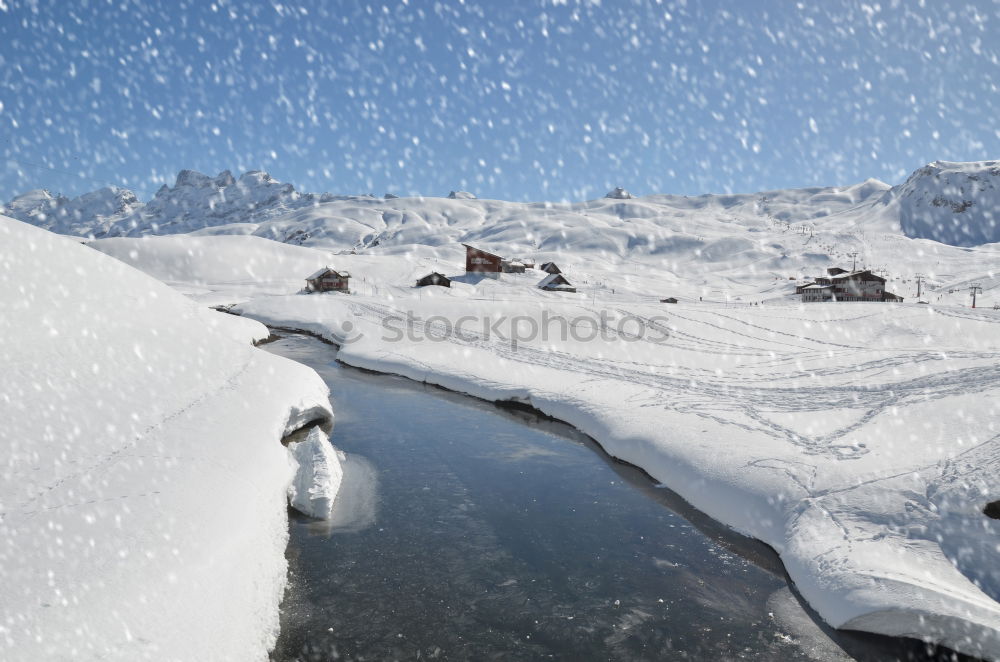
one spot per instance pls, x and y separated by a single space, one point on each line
842 285
817 292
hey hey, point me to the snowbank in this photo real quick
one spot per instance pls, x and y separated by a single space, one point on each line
142 486
318 474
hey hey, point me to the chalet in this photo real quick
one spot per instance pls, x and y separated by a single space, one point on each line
482 262
843 285
528 264
550 268
512 266
434 278
328 279
669 300
556 283
857 286
822 280
816 292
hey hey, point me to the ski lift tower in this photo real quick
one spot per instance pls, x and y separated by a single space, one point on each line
975 288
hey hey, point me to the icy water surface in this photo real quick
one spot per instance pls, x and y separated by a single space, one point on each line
470 532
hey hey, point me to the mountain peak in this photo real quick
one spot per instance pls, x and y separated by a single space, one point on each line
618 193
31 200
224 179
257 177
192 178
200 180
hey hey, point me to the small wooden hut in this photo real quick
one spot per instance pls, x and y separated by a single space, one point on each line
434 278
329 279
556 283
512 266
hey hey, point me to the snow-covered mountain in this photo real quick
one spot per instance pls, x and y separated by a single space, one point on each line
729 245
89 214
259 205
194 202
198 201
953 203
708 245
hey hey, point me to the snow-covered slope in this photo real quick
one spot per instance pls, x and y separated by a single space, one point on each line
739 247
142 482
953 203
232 263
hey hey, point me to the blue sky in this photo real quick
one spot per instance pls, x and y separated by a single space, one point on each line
511 100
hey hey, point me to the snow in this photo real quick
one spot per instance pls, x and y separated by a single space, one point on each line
317 476
857 439
230 264
954 203
142 487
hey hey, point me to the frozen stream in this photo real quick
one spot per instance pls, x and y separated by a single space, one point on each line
469 531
